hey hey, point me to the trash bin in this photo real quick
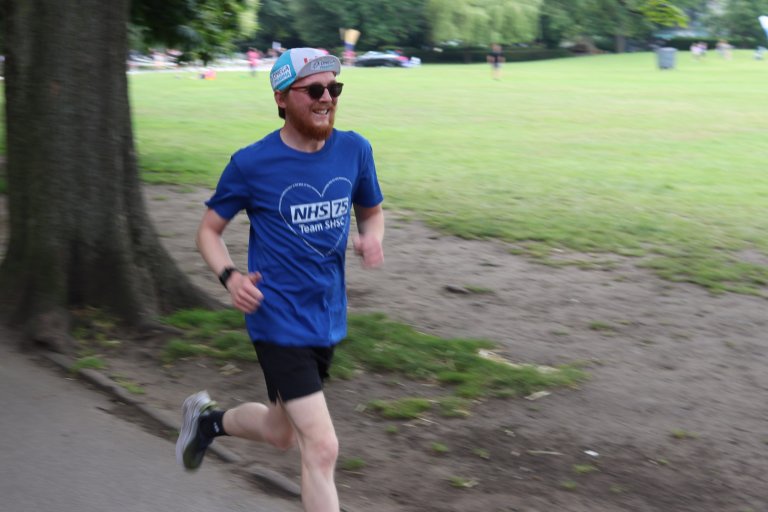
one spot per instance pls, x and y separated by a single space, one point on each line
666 58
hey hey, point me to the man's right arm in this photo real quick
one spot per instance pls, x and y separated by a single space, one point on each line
242 288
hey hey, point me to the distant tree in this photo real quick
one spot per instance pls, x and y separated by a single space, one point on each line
80 234
394 23
318 23
739 22
481 22
564 20
201 28
276 19
616 19
659 12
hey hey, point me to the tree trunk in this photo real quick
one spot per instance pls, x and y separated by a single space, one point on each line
620 43
79 229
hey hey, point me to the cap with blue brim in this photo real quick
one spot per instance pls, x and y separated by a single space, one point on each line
300 62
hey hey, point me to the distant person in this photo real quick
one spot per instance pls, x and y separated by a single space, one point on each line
157 58
254 56
759 53
695 50
699 50
703 47
349 57
724 49
208 74
298 185
495 59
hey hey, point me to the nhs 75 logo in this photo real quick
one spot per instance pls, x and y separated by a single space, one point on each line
320 211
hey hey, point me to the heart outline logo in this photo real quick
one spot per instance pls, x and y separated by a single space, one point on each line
321 195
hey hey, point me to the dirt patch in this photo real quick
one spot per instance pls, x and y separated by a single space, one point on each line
673 417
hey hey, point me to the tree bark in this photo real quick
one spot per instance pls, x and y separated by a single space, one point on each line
79 229
620 43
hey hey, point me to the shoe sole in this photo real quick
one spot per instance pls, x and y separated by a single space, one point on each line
190 411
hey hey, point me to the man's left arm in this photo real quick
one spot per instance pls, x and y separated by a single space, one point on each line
370 228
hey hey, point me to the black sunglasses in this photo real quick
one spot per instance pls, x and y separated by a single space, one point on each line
317 90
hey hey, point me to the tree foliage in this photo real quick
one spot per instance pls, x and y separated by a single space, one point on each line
276 24
468 22
396 22
739 22
658 12
481 22
203 28
617 19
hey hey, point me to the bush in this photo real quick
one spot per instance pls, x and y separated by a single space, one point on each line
471 55
684 43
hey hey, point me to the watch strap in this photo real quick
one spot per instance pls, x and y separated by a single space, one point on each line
225 275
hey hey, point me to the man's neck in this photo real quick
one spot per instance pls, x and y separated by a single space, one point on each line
295 140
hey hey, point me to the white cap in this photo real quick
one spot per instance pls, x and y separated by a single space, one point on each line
300 62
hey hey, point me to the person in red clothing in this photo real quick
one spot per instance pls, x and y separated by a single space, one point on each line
254 57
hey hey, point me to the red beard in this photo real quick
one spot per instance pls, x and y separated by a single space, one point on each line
300 118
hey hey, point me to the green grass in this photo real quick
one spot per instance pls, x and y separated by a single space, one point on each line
379 345
88 363
402 409
454 407
596 155
682 434
601 326
206 322
130 386
584 469
383 346
602 154
217 334
461 482
230 346
439 448
352 464
392 430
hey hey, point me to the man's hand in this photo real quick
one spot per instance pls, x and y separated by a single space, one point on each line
245 295
368 247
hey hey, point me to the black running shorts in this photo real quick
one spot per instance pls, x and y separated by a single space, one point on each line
293 372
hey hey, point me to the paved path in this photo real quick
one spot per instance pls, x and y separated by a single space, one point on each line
61 452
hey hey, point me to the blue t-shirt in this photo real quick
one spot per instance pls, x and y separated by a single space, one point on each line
299 205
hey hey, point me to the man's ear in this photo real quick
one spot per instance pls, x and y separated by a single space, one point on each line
280 98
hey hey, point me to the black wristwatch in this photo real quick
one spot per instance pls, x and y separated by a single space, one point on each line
225 275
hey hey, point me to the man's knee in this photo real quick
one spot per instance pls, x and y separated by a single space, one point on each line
323 452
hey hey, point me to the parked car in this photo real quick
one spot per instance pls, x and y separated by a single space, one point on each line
390 60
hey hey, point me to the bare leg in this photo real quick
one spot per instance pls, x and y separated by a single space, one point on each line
319 451
258 422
